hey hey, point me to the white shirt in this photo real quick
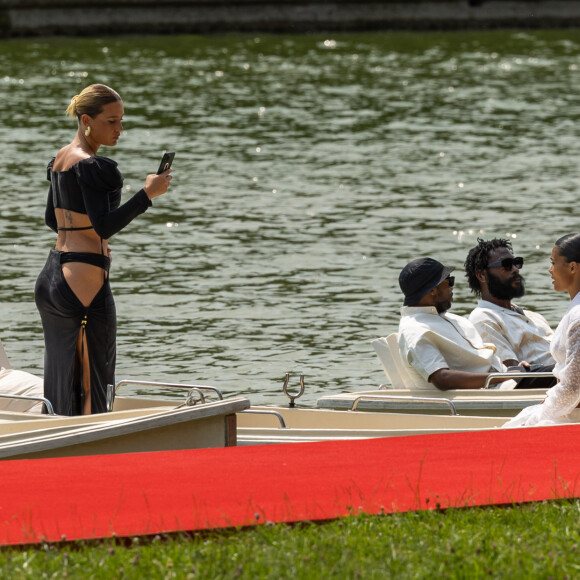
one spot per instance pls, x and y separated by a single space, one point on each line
517 334
564 397
430 341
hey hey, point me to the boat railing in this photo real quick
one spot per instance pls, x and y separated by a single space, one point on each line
513 375
112 390
45 402
420 400
266 412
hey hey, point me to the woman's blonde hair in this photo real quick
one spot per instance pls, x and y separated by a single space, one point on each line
91 101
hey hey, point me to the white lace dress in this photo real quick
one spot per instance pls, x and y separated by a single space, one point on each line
562 398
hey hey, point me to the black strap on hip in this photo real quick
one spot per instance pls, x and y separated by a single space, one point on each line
98 260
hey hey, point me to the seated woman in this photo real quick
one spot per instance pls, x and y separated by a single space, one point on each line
564 397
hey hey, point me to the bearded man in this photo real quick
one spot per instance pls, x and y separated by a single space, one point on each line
522 337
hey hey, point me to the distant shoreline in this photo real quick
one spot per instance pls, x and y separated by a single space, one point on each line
87 18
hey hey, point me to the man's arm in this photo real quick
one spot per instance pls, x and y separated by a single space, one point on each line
446 379
426 358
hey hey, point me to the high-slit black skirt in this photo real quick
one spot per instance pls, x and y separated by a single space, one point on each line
62 315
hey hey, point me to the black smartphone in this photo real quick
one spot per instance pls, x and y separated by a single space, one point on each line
166 161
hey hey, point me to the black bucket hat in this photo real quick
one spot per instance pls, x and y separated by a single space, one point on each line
421 276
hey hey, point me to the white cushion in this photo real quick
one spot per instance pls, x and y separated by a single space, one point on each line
13 382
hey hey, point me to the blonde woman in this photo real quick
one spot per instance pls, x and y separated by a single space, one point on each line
72 292
564 397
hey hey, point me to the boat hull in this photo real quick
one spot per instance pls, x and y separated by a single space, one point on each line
263 425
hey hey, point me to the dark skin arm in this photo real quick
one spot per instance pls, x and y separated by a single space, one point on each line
446 379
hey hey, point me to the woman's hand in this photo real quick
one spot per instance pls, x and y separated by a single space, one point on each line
156 185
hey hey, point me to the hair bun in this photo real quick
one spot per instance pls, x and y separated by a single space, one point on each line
71 110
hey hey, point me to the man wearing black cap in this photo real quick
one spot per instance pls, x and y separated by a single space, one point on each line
440 348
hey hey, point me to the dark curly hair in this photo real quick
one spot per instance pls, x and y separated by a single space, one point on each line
478 258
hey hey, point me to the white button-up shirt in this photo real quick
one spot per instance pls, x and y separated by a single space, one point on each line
430 341
517 334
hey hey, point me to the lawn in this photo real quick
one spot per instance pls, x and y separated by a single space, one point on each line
540 540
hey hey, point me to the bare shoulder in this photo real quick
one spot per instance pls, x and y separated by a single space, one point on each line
68 156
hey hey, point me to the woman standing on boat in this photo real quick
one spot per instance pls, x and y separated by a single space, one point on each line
564 397
72 292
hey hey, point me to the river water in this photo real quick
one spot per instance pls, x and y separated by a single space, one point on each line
308 171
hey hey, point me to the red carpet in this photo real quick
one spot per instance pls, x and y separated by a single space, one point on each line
149 493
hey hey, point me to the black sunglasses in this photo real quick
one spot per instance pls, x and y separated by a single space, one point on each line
508 263
451 280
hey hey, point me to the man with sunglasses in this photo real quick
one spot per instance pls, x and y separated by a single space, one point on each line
522 337
439 348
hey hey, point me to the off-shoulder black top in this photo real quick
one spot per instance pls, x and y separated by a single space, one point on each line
93 187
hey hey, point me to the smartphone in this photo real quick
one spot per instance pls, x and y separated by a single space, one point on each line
166 161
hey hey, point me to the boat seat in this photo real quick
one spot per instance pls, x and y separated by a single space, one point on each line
387 350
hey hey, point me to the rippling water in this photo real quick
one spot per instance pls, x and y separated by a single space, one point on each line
309 170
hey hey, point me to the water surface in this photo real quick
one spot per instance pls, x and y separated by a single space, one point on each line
308 171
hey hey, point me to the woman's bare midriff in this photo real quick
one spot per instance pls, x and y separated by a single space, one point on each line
85 280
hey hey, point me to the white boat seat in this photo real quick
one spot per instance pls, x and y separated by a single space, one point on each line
387 350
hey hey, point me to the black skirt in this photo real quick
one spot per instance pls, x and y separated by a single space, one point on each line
62 314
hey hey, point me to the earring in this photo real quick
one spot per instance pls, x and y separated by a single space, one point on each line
87 131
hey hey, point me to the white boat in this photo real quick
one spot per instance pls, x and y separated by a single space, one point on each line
197 416
362 415
134 424
137 423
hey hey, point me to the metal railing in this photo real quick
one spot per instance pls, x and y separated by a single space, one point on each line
112 390
515 376
45 402
265 412
420 400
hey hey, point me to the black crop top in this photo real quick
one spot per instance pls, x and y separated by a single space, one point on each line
93 187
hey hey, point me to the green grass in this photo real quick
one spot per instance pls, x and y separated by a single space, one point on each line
530 541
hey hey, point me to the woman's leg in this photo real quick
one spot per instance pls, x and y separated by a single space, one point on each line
61 313
101 339
84 371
